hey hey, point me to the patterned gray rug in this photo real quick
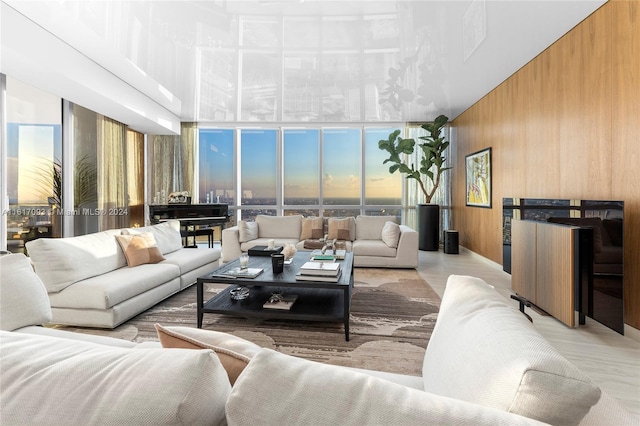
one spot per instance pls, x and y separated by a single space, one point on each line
393 313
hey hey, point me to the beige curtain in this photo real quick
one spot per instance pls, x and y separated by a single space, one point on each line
112 178
173 159
135 177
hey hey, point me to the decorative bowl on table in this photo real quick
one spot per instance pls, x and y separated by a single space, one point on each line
239 293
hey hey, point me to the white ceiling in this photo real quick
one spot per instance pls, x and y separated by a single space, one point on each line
153 64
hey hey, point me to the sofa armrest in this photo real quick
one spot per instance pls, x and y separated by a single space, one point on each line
408 246
230 244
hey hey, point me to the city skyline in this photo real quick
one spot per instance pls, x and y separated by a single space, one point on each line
342 168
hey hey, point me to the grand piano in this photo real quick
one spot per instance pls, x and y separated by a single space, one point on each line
195 219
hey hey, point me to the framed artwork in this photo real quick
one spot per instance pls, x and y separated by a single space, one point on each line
478 172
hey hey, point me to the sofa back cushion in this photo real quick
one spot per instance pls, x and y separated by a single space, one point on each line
60 262
247 231
167 235
484 350
370 227
279 226
23 297
57 381
293 391
391 234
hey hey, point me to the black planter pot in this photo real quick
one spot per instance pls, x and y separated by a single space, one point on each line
428 227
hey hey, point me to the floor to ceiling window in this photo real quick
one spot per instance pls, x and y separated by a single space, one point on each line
310 171
341 165
105 170
301 171
258 172
382 190
34 164
217 165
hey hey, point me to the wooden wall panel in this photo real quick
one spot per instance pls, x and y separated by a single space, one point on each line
625 163
555 271
564 126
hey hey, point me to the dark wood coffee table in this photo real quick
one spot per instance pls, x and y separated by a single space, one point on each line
317 301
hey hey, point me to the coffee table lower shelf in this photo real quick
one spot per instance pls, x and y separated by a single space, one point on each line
316 305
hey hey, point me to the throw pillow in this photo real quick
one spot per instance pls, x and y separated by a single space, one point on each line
234 352
342 229
24 298
311 228
139 248
391 234
248 231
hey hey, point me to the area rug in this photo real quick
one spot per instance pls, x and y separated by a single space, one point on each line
393 313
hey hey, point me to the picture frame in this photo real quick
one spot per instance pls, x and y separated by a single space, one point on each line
478 178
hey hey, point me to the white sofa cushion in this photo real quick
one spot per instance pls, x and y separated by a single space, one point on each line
484 351
370 227
108 290
23 297
391 234
188 260
247 231
53 381
60 262
375 248
282 227
294 391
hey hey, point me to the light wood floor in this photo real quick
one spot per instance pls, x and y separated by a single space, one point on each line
610 359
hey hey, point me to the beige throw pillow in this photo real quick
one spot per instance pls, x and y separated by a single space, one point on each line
342 229
139 248
391 234
248 231
311 228
234 352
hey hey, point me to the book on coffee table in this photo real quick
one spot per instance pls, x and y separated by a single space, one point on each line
320 268
244 273
284 304
319 278
323 258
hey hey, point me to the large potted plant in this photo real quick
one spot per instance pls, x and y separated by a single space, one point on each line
431 168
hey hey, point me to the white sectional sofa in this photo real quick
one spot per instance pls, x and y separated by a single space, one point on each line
90 283
376 241
485 365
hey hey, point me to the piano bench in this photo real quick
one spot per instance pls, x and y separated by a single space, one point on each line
208 232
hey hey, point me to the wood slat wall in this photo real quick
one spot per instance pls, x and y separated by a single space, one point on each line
564 126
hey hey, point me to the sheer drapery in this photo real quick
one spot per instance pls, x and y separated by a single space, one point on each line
135 177
412 193
173 163
112 178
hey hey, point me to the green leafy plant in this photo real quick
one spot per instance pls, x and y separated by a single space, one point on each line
432 160
48 179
